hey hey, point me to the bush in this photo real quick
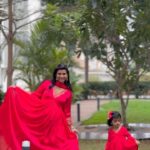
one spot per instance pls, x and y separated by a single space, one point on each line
98 88
142 88
1 96
104 88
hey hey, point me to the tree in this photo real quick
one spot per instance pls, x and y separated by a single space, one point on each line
52 42
40 55
10 43
37 64
85 46
141 33
60 2
116 44
9 34
18 22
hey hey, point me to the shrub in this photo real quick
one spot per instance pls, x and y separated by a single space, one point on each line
1 96
104 88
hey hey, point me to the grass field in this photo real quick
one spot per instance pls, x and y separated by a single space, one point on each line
99 145
137 112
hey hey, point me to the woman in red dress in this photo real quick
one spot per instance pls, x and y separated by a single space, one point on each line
42 117
118 136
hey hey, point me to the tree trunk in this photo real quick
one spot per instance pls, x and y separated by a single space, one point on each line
86 69
10 44
123 109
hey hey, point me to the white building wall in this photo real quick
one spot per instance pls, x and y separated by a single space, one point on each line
3 52
97 70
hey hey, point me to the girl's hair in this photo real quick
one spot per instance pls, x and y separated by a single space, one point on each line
113 115
61 67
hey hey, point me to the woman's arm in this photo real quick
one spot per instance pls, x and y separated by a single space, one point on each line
67 111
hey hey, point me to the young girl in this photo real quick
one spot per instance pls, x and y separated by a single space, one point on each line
118 136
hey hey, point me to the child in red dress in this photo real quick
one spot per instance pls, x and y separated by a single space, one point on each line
118 136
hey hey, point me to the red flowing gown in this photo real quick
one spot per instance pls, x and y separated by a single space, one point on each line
120 140
40 117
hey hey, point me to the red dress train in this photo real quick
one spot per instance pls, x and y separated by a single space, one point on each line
40 117
120 140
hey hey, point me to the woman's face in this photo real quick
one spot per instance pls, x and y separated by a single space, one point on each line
61 75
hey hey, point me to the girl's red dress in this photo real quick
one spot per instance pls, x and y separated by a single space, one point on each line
40 117
120 140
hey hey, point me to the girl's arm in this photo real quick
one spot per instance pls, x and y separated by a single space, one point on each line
131 138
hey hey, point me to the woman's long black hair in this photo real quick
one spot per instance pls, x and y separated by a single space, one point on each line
61 67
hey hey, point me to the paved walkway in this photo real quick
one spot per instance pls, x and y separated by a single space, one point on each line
87 108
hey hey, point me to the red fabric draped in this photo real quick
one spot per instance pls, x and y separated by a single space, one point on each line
42 122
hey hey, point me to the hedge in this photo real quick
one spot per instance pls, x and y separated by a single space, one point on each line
105 88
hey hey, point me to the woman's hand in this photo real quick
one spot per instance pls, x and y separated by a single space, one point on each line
73 129
137 142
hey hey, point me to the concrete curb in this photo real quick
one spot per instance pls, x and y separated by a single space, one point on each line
103 135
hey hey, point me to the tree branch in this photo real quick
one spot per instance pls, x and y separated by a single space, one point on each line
15 30
28 23
1 20
14 3
28 15
5 35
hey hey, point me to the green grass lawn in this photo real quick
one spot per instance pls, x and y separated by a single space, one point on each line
99 145
138 111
